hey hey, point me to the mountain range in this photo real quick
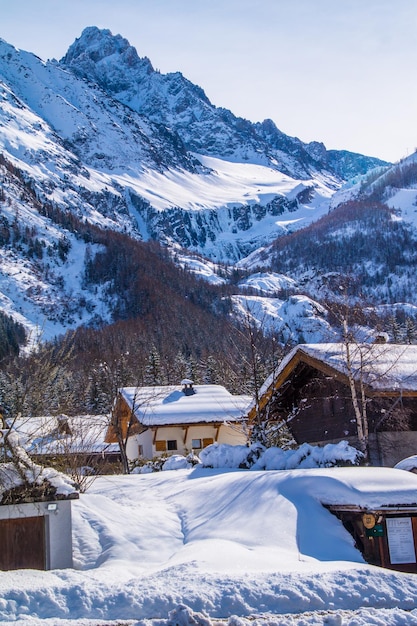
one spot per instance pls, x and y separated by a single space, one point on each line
101 143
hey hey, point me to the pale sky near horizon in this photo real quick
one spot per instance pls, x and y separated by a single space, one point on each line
337 71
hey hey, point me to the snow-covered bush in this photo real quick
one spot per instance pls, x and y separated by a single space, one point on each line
226 455
176 461
147 468
256 457
163 463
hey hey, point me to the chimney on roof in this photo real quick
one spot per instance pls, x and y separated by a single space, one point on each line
63 425
187 387
381 338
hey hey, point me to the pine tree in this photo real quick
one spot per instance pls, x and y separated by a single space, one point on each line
410 330
395 329
153 373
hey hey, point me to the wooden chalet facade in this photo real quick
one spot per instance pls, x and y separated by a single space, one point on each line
177 419
310 391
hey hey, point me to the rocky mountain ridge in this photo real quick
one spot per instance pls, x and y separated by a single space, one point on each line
174 101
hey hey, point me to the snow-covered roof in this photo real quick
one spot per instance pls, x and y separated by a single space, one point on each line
159 406
390 367
64 435
381 366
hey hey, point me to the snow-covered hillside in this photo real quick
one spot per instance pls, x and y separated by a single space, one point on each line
297 319
366 241
42 267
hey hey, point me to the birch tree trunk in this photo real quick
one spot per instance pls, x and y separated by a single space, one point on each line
359 408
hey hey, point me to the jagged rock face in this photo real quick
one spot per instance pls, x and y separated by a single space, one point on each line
100 131
174 101
349 165
91 56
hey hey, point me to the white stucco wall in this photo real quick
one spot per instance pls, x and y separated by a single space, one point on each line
234 435
231 434
145 441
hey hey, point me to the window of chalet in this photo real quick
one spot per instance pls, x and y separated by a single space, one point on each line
163 446
196 444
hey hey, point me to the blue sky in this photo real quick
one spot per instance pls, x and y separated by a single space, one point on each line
337 71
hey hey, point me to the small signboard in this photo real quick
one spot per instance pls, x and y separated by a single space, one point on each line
376 531
401 540
368 520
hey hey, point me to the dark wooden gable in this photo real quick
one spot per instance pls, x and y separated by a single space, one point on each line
317 406
316 402
123 419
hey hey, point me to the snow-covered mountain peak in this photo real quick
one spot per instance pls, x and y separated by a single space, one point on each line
97 51
100 42
111 62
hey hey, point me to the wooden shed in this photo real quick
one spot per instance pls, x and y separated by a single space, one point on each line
36 535
386 536
310 391
35 511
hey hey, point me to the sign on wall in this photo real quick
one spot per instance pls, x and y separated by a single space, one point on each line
401 540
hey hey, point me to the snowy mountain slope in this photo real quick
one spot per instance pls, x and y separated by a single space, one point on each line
297 319
233 209
368 240
102 132
278 309
176 102
397 187
41 266
223 213
268 283
90 154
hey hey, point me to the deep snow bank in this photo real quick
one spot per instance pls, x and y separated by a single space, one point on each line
222 542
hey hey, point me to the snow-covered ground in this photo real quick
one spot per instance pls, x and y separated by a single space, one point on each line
200 267
268 282
219 546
